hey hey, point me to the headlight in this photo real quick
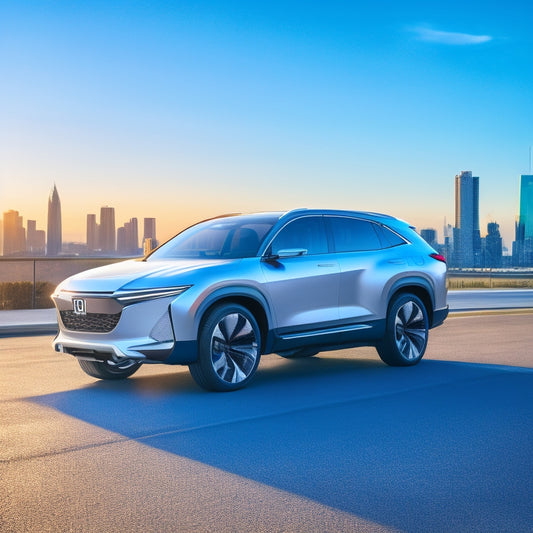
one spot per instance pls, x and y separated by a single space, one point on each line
129 297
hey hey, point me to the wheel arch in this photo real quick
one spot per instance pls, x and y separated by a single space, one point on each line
420 287
248 298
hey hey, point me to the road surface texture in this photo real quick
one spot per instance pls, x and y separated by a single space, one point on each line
338 442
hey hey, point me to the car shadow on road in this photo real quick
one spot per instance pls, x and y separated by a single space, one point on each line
442 446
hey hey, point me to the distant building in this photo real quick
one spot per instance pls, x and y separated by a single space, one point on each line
107 230
526 205
149 232
493 246
92 234
54 242
430 236
128 238
35 239
14 234
466 235
523 245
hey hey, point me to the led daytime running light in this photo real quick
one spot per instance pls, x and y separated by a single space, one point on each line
149 294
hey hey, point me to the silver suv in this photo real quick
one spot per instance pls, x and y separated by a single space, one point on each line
227 290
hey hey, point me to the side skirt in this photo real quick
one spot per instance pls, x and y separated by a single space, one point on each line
330 337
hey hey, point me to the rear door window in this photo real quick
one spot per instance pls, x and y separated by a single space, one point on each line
354 234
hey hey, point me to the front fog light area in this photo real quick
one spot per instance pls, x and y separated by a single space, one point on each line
162 331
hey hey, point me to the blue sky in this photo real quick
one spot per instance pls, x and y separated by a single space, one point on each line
183 110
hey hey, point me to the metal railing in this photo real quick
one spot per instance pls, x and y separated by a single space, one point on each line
27 283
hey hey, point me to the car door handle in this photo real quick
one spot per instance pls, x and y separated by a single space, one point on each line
328 265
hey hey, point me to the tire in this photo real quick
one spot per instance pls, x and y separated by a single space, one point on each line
109 370
406 333
229 349
298 354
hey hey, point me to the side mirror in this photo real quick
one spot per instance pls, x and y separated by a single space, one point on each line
286 253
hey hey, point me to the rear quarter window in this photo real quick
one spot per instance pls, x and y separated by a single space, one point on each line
390 238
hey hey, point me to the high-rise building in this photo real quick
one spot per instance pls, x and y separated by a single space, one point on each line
493 246
466 237
35 239
54 235
523 245
149 232
107 230
14 234
525 218
92 233
128 238
430 236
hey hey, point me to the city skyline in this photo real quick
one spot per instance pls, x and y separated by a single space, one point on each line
188 111
82 234
103 237
463 244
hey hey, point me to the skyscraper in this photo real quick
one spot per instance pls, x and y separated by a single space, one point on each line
525 219
54 238
92 233
128 238
149 232
107 230
523 245
493 246
14 234
430 236
467 238
35 239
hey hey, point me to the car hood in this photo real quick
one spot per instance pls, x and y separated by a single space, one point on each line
135 274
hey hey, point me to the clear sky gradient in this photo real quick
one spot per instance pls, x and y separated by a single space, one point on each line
184 110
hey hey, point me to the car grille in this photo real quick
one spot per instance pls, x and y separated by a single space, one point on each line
91 322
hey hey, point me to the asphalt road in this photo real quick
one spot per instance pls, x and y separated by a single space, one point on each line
334 443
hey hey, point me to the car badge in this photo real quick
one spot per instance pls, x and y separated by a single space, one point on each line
80 306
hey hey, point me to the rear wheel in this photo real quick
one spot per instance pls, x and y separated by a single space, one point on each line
406 333
109 369
229 349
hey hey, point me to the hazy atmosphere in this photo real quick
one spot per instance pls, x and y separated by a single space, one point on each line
186 110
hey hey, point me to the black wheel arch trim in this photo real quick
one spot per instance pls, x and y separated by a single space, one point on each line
239 294
414 284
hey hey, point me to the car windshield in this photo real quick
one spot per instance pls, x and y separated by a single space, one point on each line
221 238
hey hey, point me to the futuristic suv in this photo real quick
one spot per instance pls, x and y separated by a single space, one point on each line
227 290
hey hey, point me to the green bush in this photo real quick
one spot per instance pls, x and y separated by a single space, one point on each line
18 295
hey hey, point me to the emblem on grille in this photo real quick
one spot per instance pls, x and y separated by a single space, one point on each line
80 306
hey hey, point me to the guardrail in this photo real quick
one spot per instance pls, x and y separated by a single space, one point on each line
28 282
490 278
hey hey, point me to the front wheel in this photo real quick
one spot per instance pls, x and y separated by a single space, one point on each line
406 333
229 349
108 369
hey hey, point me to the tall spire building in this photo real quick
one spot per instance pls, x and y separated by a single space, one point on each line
54 241
466 235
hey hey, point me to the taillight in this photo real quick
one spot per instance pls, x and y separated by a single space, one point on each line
438 257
